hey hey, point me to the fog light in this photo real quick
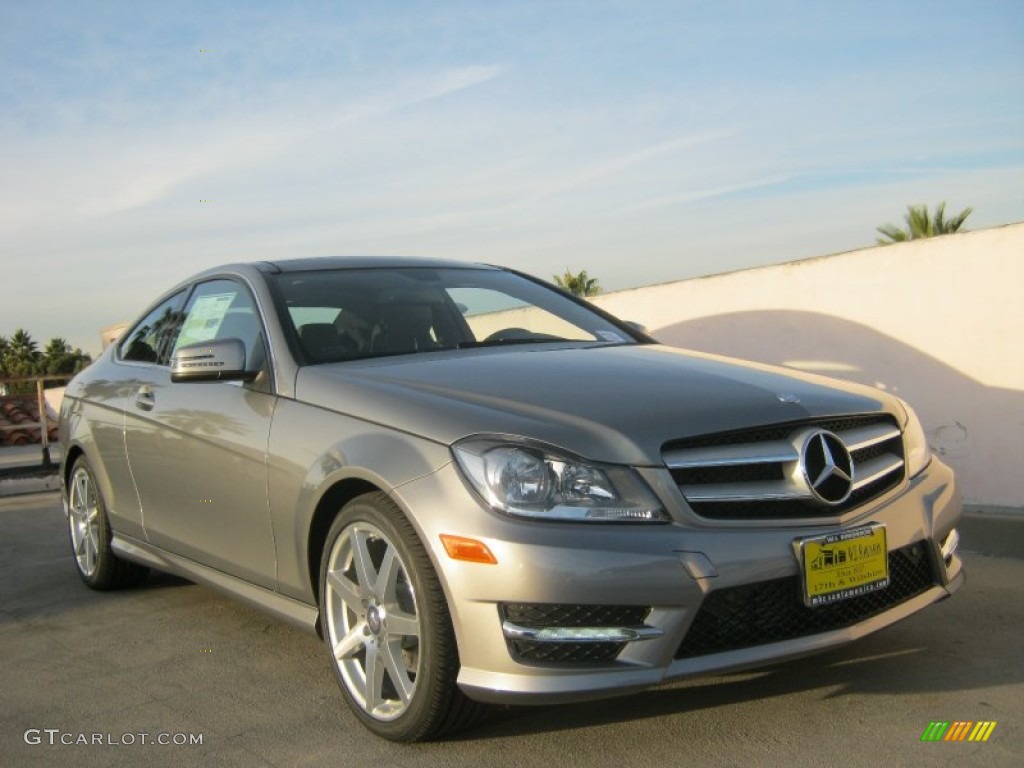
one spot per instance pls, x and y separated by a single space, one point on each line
949 546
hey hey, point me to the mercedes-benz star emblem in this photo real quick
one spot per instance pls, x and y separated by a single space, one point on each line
827 467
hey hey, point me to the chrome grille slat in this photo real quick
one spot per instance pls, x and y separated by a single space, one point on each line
731 455
757 474
875 469
720 492
865 437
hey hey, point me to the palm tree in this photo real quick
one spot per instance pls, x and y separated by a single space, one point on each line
920 224
58 357
56 347
22 358
22 353
580 284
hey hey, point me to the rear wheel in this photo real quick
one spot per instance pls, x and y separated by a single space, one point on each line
387 626
89 530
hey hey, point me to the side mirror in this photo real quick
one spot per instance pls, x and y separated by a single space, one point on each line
221 360
638 327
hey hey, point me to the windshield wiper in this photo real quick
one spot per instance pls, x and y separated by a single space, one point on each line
503 342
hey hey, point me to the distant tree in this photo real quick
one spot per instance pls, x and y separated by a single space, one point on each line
56 347
20 356
920 224
59 357
580 284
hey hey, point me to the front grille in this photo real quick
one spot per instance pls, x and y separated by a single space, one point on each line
754 474
538 615
574 653
563 615
772 611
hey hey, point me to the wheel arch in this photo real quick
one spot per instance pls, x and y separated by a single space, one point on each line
70 457
327 509
329 506
82 450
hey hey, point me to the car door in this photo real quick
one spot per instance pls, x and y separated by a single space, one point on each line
103 397
198 450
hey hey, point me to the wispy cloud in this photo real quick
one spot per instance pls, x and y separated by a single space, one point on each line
240 143
697 195
122 173
592 173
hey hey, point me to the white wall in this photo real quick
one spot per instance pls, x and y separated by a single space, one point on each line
54 396
935 321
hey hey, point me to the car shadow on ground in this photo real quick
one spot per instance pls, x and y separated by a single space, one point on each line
161 580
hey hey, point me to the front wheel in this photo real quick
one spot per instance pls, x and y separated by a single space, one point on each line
387 626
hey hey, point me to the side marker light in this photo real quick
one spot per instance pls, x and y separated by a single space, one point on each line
469 550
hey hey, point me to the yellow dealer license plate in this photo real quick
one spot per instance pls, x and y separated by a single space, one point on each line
844 565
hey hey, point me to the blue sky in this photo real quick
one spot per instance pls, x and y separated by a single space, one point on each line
642 141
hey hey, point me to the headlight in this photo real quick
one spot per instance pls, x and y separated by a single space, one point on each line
528 480
918 452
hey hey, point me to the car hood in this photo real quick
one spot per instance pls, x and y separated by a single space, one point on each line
616 404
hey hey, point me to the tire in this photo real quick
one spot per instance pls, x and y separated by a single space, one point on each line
89 531
386 621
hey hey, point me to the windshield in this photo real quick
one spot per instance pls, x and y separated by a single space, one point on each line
352 314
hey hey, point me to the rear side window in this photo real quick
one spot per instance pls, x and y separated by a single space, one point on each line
151 338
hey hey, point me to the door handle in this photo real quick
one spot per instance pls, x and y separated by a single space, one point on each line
144 399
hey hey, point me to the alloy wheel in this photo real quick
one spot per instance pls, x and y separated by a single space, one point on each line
372 621
83 518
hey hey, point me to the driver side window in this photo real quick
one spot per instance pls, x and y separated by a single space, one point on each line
489 312
223 309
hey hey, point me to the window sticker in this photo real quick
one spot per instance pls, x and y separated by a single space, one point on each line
610 336
204 318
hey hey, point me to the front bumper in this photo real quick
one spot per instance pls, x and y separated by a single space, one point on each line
669 568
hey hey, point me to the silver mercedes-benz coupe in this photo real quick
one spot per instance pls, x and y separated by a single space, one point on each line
477 488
